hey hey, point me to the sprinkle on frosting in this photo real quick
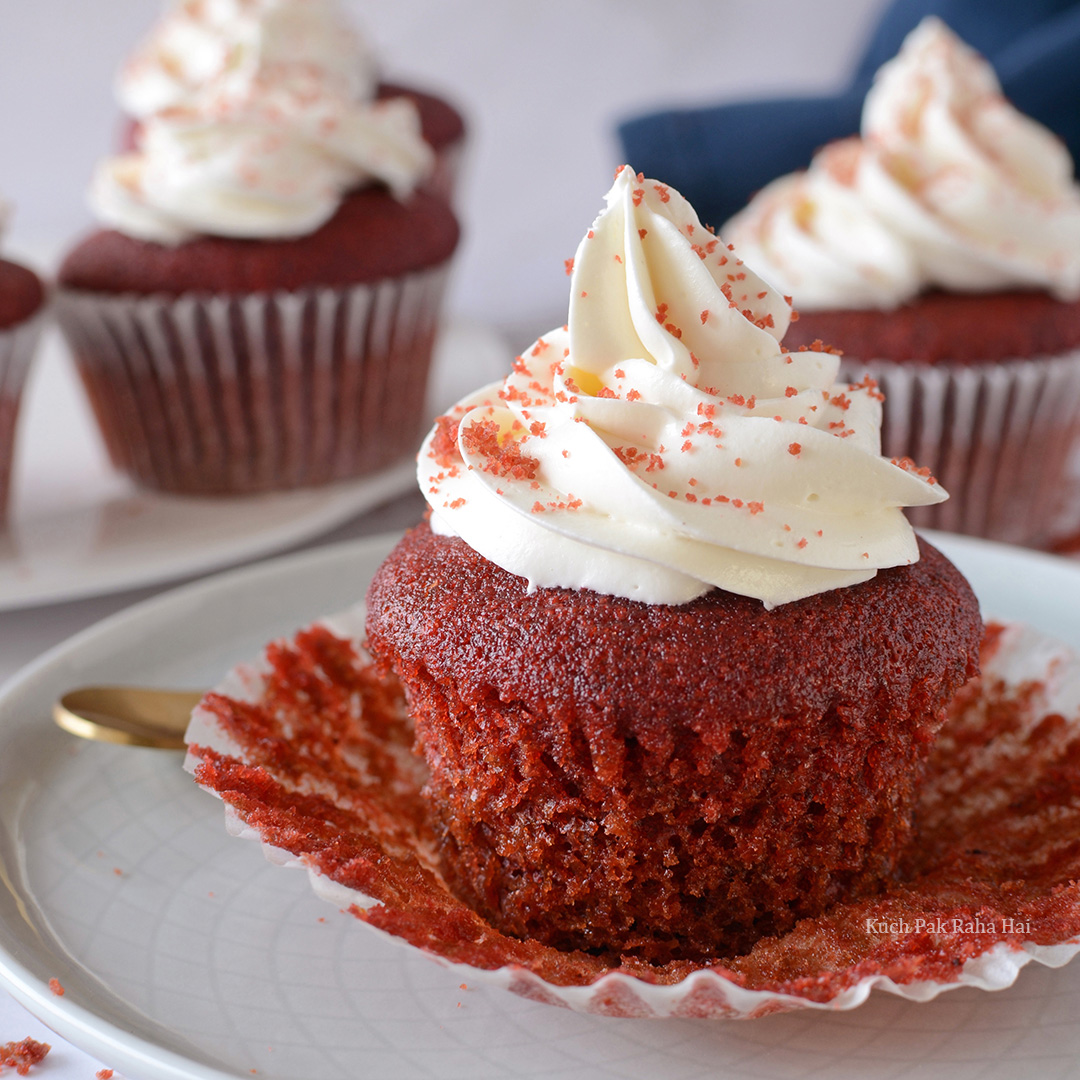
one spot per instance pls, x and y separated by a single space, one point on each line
760 450
256 118
948 186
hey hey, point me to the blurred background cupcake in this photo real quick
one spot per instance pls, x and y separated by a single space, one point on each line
260 311
941 251
22 299
195 42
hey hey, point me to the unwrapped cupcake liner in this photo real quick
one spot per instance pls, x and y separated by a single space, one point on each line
1023 665
220 394
1001 438
17 346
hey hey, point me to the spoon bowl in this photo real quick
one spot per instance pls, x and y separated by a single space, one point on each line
128 715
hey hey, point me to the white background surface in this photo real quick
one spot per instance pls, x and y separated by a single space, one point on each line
542 82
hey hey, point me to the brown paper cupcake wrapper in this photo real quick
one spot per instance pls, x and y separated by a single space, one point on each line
17 345
236 394
1002 439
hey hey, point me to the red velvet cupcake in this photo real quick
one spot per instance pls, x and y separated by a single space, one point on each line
22 298
941 253
668 782
673 653
262 314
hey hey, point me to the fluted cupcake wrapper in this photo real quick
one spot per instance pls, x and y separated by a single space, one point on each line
204 394
1012 745
17 345
1001 438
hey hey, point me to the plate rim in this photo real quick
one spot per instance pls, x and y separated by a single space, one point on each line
340 502
83 1027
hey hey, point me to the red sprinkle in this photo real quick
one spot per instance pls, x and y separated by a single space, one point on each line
795 449
870 386
55 987
444 446
908 465
481 438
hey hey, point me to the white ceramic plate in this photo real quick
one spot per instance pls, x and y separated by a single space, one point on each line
79 528
184 954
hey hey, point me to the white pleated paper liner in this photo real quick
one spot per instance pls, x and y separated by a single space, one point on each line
1001 439
1039 675
17 346
209 394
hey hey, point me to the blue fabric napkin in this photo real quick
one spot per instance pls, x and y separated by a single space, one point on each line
718 156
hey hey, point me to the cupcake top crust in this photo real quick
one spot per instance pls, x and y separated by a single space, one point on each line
21 290
948 186
257 117
664 442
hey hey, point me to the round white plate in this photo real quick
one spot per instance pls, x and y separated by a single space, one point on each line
183 953
79 528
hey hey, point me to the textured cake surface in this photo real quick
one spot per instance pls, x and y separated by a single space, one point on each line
965 328
372 237
659 781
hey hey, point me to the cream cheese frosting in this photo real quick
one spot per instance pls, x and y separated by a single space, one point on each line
663 442
257 117
197 41
948 186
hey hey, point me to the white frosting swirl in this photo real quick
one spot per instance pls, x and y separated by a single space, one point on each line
263 122
663 442
949 186
197 41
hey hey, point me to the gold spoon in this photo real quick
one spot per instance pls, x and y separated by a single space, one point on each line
129 715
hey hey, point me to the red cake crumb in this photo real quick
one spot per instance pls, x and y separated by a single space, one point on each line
56 988
22 1056
103 1074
